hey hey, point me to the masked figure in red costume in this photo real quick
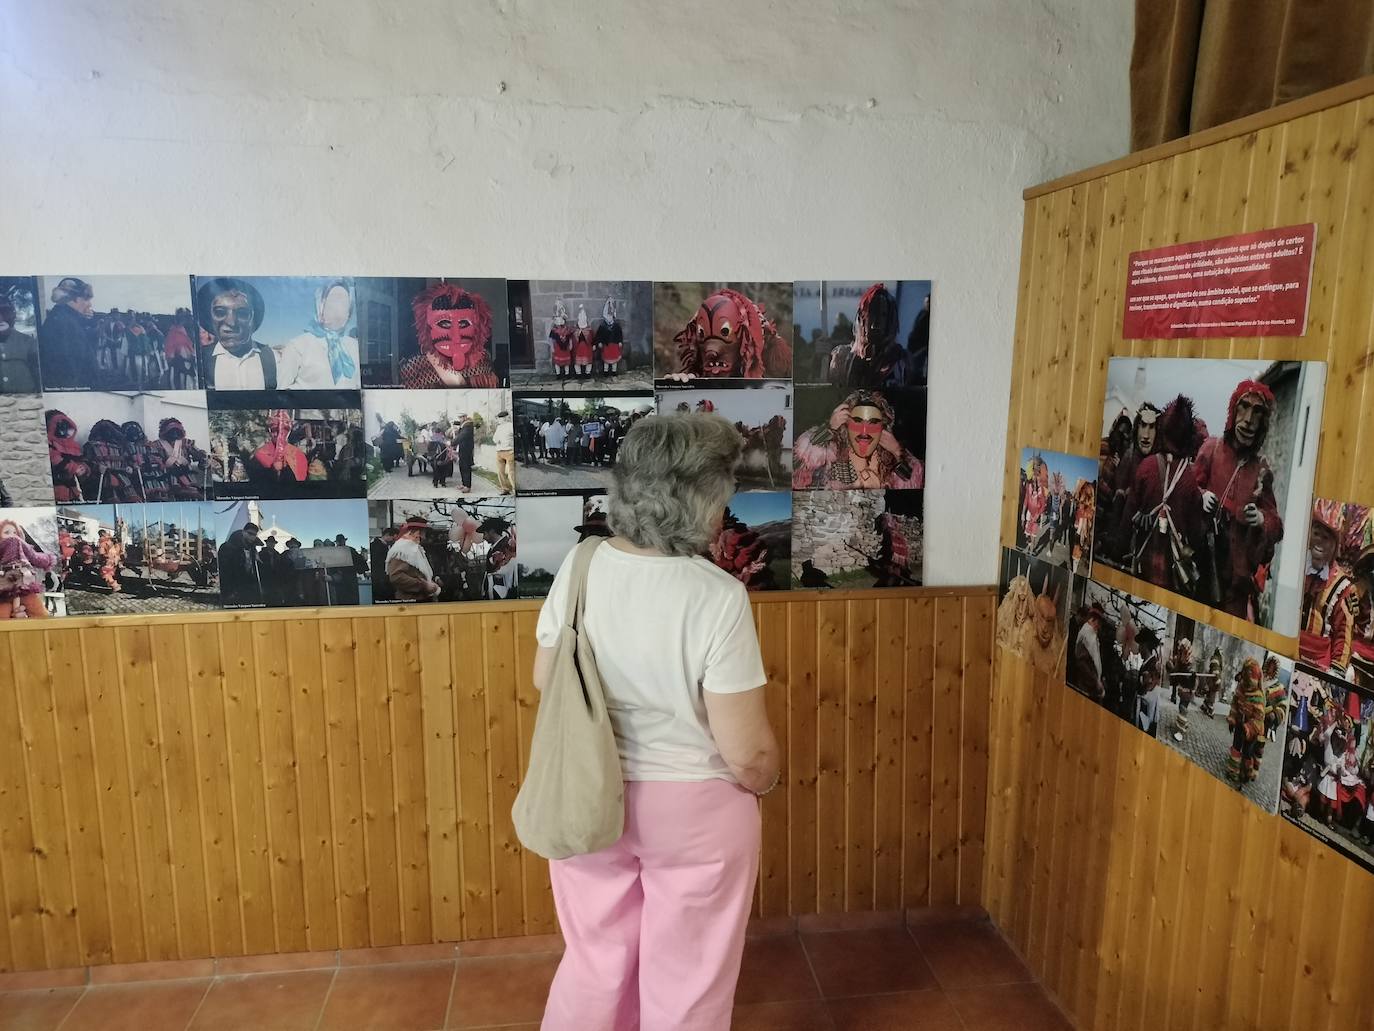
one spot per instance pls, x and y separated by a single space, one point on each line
454 329
583 344
279 460
742 553
1330 602
731 335
184 462
1243 523
855 450
1161 521
64 453
874 358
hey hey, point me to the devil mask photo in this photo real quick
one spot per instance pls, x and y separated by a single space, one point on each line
433 333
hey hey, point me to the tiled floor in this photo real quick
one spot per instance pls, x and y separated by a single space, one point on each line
956 976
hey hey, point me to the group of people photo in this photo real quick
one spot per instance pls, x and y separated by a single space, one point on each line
1337 632
461 441
260 450
1203 462
428 551
570 441
1056 506
292 553
581 334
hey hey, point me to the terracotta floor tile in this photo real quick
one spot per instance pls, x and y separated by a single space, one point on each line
774 970
782 1016
289 1001
903 1011
148 1006
867 962
995 1008
492 990
38 1009
968 954
389 997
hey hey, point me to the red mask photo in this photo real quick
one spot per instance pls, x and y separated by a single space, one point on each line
865 428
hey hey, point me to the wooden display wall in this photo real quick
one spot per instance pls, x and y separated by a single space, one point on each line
1144 892
183 787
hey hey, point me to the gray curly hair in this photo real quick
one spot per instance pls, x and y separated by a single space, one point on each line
673 476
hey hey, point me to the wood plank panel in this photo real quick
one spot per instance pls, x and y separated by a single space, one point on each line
1162 899
275 782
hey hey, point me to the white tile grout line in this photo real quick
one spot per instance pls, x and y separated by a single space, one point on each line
820 993
324 1003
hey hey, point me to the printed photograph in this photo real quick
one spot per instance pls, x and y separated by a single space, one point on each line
857 539
278 332
25 470
859 439
1117 649
1224 707
19 372
551 525
433 333
857 334
762 414
291 444
443 550
1056 506
30 564
123 559
1328 764
1033 611
116 333
570 441
292 553
722 331
123 447
1337 631
754 544
579 334
439 443
1205 480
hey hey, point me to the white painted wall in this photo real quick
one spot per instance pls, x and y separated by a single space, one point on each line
744 139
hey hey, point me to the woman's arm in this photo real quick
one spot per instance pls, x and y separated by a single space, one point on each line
739 723
543 666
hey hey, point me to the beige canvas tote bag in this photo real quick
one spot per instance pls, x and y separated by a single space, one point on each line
573 798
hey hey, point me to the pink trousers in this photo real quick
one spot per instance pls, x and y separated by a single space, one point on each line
655 924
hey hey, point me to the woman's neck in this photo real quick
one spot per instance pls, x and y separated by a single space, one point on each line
621 544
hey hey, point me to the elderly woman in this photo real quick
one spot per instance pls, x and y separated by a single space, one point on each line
655 924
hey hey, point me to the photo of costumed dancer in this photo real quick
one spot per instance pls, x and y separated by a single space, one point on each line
434 333
1117 647
580 334
722 331
857 539
762 414
442 550
1337 634
1033 611
1328 764
261 448
30 565
1056 507
1196 498
862 440
1223 707
857 334
754 542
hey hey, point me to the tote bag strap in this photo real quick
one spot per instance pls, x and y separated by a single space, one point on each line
577 589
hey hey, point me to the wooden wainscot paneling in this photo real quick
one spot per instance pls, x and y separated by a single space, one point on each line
1143 892
239 783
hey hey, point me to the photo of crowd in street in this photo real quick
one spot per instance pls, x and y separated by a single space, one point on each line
25 472
128 446
1033 611
439 443
1223 707
1328 764
570 441
859 439
1056 506
1117 643
722 331
120 559
19 373
754 543
857 539
291 553
433 333
858 334
551 525
116 333
442 550
30 564
1205 477
580 334
1337 632
762 413
278 332
292 444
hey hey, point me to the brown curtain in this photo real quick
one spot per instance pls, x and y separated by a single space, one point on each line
1198 63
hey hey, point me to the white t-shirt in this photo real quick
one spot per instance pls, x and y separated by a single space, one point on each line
663 629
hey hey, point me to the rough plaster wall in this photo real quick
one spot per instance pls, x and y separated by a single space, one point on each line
704 139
